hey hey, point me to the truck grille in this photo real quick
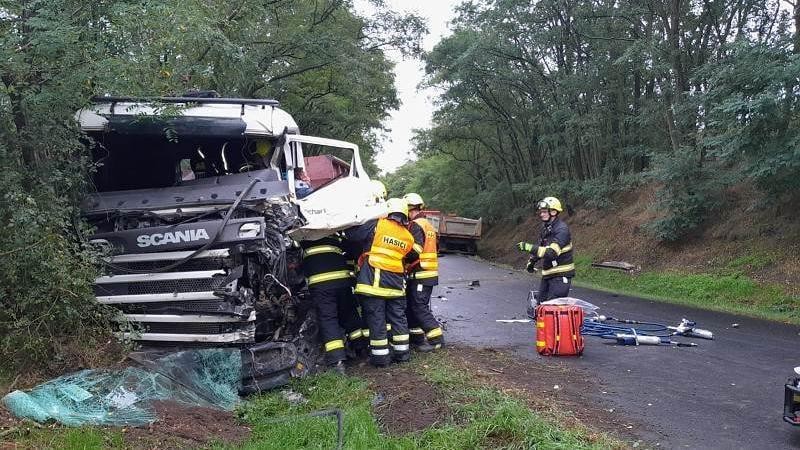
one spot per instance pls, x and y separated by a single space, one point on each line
204 306
177 305
192 264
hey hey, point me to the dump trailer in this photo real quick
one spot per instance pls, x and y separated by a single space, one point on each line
456 234
196 213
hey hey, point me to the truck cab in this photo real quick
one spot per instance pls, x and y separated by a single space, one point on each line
198 208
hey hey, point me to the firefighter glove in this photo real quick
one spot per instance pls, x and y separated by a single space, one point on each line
525 246
529 267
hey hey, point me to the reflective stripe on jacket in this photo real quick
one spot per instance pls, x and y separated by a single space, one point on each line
427 271
324 263
555 250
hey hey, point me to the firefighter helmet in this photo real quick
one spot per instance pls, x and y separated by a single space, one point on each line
414 200
397 205
550 203
378 190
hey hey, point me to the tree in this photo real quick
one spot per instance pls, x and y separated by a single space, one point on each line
326 64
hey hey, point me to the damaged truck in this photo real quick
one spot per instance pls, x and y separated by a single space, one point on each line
196 207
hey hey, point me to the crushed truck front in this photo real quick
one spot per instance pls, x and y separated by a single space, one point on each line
196 210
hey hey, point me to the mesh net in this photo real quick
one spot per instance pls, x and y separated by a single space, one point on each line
202 377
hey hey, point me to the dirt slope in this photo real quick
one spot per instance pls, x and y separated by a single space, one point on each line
763 243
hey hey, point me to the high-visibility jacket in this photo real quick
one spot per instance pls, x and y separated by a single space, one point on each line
555 250
324 263
427 271
381 270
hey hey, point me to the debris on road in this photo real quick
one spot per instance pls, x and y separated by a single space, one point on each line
475 283
618 265
734 325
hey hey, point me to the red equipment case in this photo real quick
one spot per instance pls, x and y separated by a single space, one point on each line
558 330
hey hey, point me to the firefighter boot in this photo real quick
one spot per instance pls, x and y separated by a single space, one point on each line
424 347
338 368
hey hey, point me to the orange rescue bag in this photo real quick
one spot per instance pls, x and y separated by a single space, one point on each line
558 330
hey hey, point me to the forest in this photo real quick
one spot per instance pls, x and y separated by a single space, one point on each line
587 99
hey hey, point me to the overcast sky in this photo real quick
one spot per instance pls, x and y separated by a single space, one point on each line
417 106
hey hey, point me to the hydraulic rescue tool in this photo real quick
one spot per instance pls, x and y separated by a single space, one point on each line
643 333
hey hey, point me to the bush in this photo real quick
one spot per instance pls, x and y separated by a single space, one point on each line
690 190
46 298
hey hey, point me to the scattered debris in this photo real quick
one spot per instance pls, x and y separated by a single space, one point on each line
295 398
442 298
378 399
556 387
618 265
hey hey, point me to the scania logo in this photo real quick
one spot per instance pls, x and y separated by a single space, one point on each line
146 240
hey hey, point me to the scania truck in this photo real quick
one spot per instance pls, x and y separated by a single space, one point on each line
195 208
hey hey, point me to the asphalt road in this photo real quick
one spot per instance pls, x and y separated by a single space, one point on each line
724 394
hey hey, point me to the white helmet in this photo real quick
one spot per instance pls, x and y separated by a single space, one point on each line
414 200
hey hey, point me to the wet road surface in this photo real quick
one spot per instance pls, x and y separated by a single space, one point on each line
724 394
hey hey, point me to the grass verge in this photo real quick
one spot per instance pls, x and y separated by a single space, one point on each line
480 416
729 291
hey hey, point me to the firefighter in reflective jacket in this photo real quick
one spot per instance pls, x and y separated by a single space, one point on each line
330 283
422 277
554 249
381 281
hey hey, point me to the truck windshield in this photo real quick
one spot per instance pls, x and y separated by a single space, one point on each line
126 162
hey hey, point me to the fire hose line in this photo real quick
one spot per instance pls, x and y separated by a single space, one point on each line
642 333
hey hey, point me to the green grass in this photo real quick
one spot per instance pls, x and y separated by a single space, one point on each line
752 261
87 438
728 291
481 417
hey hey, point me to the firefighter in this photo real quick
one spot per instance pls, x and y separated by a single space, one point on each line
554 249
381 281
330 283
422 277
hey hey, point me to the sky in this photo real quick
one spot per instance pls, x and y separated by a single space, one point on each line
417 106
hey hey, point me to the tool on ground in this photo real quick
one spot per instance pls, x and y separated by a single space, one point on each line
687 328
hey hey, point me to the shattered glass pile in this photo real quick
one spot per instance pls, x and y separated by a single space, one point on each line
203 377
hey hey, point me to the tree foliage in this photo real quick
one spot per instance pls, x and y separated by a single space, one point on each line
325 63
580 98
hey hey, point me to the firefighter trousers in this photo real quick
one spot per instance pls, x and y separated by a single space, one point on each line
377 313
555 287
335 318
421 322
350 319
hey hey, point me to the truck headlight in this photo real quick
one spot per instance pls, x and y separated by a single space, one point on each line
249 230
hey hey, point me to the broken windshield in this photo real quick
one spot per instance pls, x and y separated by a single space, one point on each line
126 162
